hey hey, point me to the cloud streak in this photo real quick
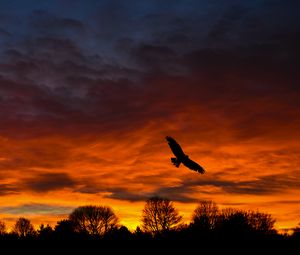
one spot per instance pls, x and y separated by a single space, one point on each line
36 209
45 182
188 191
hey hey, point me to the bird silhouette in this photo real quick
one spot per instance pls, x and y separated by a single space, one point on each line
181 157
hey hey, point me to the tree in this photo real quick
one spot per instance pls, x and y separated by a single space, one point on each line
238 221
159 215
141 235
205 216
2 228
23 228
93 220
234 221
45 231
119 233
296 232
64 229
262 223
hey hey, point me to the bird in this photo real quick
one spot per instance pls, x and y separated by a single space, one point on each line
181 157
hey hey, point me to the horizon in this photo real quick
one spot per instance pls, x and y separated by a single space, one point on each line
186 219
90 89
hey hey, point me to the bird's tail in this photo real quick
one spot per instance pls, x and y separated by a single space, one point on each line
175 162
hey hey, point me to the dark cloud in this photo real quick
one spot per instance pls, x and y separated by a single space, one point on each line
268 184
127 195
184 192
285 202
174 194
155 57
70 85
47 23
8 189
61 49
4 33
223 32
178 194
36 209
45 182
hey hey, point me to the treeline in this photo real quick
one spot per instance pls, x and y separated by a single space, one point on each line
160 221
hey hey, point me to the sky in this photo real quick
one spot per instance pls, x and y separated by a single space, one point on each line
89 90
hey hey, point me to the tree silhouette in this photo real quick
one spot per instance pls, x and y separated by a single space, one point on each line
296 232
45 231
140 235
160 221
119 234
205 216
64 229
236 221
23 228
159 215
2 228
93 220
262 223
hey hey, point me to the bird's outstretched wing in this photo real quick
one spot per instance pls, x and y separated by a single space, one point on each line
175 147
193 165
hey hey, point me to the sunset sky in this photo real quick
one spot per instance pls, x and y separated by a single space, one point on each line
89 90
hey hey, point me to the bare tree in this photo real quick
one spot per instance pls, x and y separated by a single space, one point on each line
159 215
234 221
205 216
94 220
2 228
261 222
23 228
237 220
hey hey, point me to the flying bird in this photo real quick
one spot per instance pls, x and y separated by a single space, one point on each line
181 157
